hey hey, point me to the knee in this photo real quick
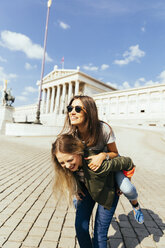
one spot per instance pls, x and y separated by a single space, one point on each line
130 191
127 188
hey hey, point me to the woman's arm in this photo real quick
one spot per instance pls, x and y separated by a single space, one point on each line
115 164
112 150
96 160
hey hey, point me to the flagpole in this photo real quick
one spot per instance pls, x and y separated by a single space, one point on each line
63 65
37 121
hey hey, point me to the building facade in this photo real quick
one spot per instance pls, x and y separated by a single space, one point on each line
138 106
58 87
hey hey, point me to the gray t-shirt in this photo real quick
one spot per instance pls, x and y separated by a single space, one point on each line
107 138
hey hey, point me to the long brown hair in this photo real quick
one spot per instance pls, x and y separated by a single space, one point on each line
92 124
64 182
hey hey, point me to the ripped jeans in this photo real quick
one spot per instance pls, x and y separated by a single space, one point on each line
103 220
125 185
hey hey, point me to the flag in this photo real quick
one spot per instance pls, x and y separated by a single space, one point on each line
49 3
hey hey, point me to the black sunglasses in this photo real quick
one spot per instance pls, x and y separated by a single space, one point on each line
78 109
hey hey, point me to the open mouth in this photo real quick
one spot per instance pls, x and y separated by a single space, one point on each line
72 167
73 118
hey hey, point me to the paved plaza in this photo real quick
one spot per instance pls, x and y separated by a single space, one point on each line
30 217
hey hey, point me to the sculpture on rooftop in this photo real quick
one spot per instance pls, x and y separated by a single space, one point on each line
7 99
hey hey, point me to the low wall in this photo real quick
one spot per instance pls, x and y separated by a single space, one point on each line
19 129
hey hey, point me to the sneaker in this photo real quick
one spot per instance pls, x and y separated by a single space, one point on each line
138 215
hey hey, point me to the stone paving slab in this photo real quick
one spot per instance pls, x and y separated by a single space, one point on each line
30 218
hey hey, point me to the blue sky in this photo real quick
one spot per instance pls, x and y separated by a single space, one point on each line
120 42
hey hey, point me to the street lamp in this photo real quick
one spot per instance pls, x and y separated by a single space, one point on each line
37 121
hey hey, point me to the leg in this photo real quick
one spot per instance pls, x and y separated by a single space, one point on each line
83 213
126 186
130 192
102 222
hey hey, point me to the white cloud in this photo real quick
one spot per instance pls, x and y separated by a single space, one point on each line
20 42
63 25
21 98
90 67
133 54
2 59
6 76
162 77
30 89
29 66
143 29
114 85
150 82
126 85
143 82
24 93
104 67
139 81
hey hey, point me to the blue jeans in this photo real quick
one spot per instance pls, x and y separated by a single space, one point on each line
126 186
102 222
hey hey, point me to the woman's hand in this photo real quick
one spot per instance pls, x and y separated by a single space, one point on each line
79 195
96 160
119 192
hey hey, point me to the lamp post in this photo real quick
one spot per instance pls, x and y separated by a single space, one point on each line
37 121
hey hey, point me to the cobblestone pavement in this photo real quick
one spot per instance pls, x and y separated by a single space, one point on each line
29 217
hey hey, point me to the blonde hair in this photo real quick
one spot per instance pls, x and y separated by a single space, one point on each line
64 181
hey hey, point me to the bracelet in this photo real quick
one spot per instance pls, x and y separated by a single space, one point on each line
107 157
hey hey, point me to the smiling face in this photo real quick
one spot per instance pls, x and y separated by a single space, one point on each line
77 119
69 161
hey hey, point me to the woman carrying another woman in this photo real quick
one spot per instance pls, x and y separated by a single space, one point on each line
73 176
82 121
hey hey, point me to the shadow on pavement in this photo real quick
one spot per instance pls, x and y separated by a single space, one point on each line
128 233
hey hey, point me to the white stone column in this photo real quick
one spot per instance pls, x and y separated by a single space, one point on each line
77 87
137 104
102 109
63 98
57 99
52 99
69 92
148 110
117 107
43 101
109 108
127 112
161 101
47 100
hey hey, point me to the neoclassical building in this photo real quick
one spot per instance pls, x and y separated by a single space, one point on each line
58 87
143 106
136 106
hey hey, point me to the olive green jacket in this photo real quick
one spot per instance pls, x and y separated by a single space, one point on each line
101 183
